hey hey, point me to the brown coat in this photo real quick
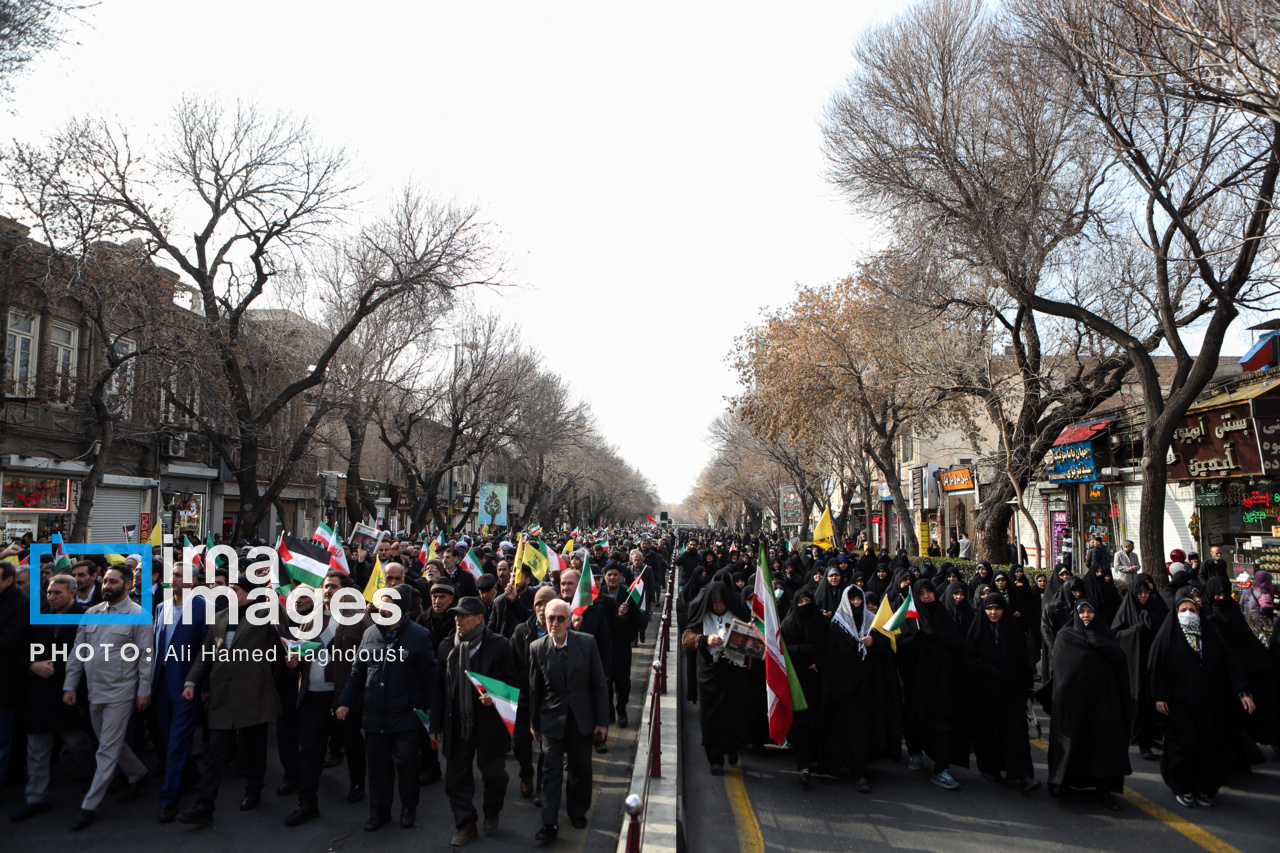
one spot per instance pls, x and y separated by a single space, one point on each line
346 639
242 691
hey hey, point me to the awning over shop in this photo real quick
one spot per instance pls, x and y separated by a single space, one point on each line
1083 432
1238 394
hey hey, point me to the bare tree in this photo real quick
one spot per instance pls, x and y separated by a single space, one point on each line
29 28
258 195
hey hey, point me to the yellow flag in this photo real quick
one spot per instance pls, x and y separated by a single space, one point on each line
883 614
568 547
823 534
536 560
155 539
518 563
377 580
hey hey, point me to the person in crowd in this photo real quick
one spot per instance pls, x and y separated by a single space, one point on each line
569 704
1249 653
1100 588
466 728
1215 566
622 634
1201 695
1126 562
827 596
514 604
722 682
15 618
804 630
1135 626
180 628
931 660
597 620
88 586
45 717
321 680
1089 707
861 700
955 603
117 685
1002 682
395 575
534 628
394 674
965 549
236 671
464 585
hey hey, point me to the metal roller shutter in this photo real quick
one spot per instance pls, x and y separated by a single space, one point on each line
112 509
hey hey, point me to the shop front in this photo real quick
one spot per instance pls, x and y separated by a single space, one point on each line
185 500
958 497
38 497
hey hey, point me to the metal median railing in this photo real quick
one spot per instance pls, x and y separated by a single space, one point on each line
650 806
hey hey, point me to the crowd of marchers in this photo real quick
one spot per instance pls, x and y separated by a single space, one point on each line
173 718
1169 664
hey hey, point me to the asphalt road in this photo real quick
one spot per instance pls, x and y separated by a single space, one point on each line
764 801
133 827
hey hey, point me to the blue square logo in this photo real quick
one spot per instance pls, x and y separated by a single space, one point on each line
143 549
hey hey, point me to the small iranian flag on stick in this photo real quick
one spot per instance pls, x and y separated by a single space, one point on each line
424 718
504 696
636 592
587 592
472 564
906 610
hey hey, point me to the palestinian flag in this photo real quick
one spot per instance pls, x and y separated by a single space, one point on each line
906 610
305 562
588 591
300 647
505 697
472 564
61 563
636 592
129 531
778 673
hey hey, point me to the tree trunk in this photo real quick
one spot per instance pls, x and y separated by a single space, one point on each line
354 498
1155 472
991 527
900 506
89 486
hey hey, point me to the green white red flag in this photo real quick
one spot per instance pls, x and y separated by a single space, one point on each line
588 591
505 697
472 564
776 669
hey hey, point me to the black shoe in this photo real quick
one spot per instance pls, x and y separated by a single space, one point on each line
623 721
302 814
286 789
132 789
602 748
197 815
733 756
547 834
1029 785
862 786
82 820
991 777
373 824
333 759
804 777
168 813
1148 755
578 822
429 774
356 793
408 817
717 769
28 810
250 802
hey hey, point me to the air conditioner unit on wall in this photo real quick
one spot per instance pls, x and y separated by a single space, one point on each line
178 445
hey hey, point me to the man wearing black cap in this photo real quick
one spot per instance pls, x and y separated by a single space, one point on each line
487 589
394 673
237 659
465 726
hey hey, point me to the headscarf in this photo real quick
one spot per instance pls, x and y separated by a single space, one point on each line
856 622
826 596
962 614
877 584
1190 622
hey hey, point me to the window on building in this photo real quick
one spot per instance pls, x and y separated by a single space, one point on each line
62 351
20 354
177 397
120 386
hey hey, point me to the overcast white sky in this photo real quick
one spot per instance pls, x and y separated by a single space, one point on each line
656 171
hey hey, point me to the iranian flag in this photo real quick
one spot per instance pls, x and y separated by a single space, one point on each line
906 610
305 562
323 535
424 718
504 696
636 591
777 674
472 564
587 592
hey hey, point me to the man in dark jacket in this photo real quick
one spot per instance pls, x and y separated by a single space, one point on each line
521 639
237 659
466 727
513 603
45 715
624 630
596 620
15 618
394 672
569 703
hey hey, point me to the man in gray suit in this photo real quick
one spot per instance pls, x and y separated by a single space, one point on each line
569 703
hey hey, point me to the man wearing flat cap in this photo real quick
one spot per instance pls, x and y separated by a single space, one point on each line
465 726
237 660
